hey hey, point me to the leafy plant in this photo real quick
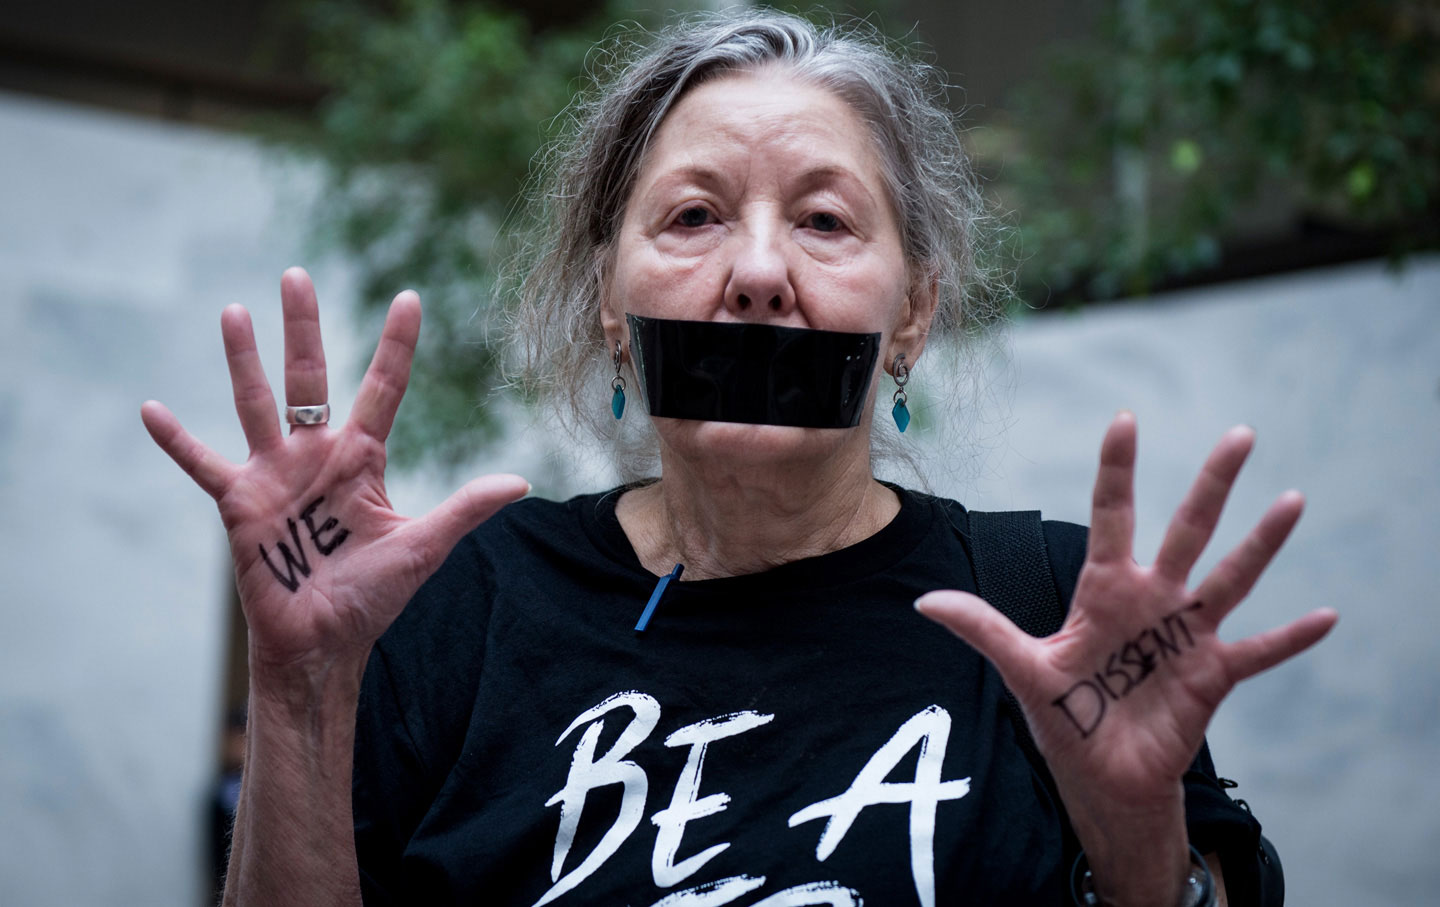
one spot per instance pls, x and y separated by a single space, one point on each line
434 113
1131 161
1138 154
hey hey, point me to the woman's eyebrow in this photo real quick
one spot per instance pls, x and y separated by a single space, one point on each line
701 176
826 176
810 179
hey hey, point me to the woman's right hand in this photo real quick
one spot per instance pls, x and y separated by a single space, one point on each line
322 562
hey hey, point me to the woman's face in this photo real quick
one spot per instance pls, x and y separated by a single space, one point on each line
761 200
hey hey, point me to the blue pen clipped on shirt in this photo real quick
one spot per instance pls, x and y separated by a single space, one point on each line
655 597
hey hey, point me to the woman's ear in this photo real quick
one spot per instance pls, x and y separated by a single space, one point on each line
612 319
611 323
913 327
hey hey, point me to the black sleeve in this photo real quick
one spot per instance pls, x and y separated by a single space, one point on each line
1220 825
409 728
387 794
1216 823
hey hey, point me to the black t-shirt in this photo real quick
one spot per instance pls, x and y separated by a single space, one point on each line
795 737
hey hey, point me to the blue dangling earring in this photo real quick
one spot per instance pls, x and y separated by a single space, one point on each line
617 402
902 377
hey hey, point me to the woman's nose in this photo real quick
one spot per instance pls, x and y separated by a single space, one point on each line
759 284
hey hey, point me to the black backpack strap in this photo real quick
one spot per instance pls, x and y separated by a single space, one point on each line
1012 573
1012 569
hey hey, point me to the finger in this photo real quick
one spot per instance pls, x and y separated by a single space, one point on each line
1112 515
1235 575
436 534
305 381
254 402
1194 522
210 471
988 631
1261 652
389 372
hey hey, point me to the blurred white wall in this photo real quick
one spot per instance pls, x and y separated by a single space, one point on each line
120 242
122 239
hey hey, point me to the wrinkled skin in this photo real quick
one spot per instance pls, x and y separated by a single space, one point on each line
355 592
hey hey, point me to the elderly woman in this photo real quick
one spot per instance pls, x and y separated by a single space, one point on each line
753 226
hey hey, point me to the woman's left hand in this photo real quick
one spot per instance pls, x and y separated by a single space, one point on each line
1119 699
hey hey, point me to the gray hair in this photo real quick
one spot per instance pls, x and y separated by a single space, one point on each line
585 179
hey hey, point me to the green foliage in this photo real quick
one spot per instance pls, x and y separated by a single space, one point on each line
1140 149
434 114
1133 155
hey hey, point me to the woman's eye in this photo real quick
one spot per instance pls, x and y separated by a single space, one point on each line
693 217
824 222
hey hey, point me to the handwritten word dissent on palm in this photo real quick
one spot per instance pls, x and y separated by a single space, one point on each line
1126 668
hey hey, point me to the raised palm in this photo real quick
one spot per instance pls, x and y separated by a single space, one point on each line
1119 699
322 562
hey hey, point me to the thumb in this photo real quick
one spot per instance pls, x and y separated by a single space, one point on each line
438 532
988 631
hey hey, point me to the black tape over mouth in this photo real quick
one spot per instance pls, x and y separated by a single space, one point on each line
761 374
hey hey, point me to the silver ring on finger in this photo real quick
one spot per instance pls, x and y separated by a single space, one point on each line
315 414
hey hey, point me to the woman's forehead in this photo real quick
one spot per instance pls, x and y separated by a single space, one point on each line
805 132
